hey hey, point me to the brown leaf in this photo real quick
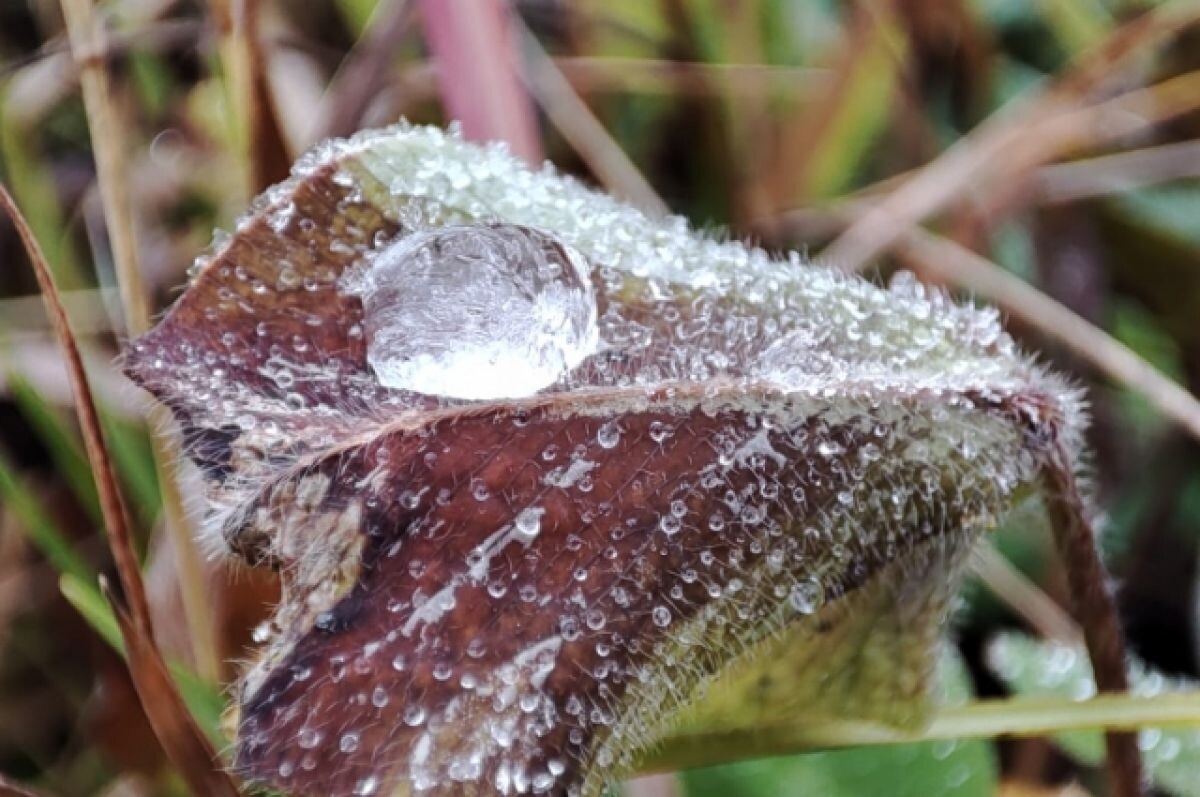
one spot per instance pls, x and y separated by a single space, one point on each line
520 592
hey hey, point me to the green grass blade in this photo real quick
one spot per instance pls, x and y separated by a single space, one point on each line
134 459
38 526
60 440
203 700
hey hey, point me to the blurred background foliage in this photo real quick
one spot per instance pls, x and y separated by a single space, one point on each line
771 120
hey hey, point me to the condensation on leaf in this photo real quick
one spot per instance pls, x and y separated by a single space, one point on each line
753 483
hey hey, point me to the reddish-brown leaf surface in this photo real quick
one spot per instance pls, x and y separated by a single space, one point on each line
519 594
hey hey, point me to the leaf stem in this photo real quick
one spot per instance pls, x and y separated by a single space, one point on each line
1095 609
984 719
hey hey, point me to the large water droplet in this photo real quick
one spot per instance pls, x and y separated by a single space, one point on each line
477 312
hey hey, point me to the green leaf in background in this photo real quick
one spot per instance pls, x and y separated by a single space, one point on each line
203 700
1030 667
38 526
60 439
864 90
928 769
1170 209
130 447
129 443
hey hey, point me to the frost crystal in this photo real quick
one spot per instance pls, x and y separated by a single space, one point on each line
476 312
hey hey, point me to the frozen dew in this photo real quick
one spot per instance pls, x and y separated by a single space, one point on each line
807 596
414 715
308 738
366 786
529 522
608 435
477 312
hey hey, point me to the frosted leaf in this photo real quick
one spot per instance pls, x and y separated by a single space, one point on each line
712 472
476 312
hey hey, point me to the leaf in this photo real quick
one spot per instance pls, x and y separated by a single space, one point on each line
727 460
954 767
1037 669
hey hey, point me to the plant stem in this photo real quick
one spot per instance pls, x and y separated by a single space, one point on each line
1095 609
1013 717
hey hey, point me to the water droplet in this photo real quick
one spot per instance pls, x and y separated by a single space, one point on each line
807 596
477 312
661 616
608 435
529 522
348 743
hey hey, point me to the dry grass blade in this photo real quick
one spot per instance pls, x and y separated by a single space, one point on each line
267 152
253 116
87 45
1111 174
162 704
363 73
187 747
10 789
583 130
960 266
477 72
1023 596
111 167
960 167
89 421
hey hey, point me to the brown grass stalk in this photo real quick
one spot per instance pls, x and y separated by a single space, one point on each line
363 73
582 130
182 740
959 266
1096 610
1029 601
1122 171
992 145
108 138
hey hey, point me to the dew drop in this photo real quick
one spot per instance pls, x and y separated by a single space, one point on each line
529 522
807 596
365 787
477 312
608 435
